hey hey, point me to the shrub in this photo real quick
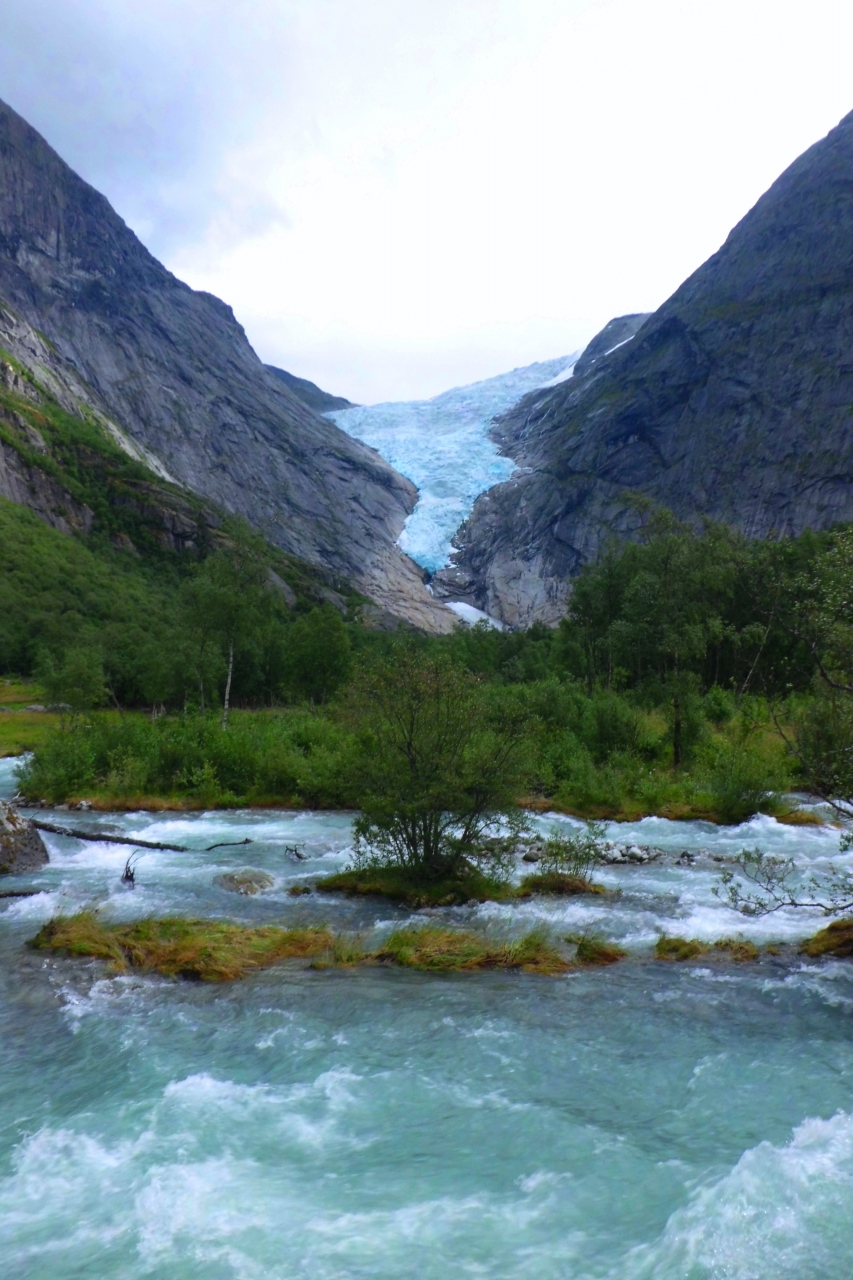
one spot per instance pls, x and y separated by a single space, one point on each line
572 855
742 779
438 769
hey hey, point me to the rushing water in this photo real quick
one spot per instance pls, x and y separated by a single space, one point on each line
654 1121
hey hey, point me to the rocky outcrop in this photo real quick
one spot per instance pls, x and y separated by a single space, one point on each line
172 370
309 393
21 847
734 401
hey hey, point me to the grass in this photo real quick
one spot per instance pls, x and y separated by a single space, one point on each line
447 950
557 882
835 940
679 948
216 951
689 948
593 950
395 884
23 730
206 950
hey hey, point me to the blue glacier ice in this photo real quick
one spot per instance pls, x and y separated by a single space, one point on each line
443 445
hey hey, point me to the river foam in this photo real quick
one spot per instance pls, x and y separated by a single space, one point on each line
647 1121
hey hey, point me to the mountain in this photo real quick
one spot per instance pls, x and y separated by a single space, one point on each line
733 401
169 372
308 392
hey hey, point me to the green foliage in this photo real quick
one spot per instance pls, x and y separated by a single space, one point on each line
292 758
718 706
76 681
438 767
573 855
318 658
744 778
396 883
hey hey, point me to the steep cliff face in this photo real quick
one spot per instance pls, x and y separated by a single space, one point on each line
733 401
309 393
172 368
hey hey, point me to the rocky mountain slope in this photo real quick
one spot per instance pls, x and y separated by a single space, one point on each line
172 373
309 393
733 401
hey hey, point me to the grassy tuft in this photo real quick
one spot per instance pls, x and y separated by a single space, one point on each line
215 951
396 884
558 883
835 940
207 950
679 948
737 949
448 950
596 951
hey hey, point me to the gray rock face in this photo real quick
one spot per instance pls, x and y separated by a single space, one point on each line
21 847
173 369
308 392
733 401
614 334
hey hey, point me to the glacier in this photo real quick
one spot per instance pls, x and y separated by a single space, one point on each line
443 446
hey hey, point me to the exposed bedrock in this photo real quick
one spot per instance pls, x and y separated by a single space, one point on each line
173 369
21 847
734 401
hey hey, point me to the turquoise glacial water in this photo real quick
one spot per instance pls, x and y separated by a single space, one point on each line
646 1122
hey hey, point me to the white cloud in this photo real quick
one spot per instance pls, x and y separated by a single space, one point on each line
398 197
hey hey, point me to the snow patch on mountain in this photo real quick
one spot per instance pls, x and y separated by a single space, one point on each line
444 446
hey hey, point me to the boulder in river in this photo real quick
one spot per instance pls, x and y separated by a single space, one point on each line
248 882
21 847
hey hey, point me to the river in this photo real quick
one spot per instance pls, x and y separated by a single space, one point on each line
650 1121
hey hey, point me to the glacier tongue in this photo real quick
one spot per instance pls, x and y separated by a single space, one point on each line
443 445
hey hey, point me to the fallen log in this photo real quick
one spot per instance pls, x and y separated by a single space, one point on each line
76 834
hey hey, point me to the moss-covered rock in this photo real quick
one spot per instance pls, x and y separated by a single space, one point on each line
835 940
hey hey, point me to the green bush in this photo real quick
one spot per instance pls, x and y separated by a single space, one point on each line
743 778
290 758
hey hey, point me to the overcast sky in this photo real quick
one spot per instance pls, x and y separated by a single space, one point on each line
397 196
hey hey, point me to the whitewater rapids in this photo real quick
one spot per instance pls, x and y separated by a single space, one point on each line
651 1121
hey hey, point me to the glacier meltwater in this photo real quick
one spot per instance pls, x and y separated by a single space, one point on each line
443 445
649 1121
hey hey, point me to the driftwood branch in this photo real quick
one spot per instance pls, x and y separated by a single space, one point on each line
106 838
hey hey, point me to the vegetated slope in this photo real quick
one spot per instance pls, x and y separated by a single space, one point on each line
173 369
309 393
733 401
95 539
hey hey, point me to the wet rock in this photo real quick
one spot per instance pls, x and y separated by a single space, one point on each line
21 847
614 853
248 882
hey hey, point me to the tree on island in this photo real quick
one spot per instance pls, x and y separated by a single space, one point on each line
441 766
